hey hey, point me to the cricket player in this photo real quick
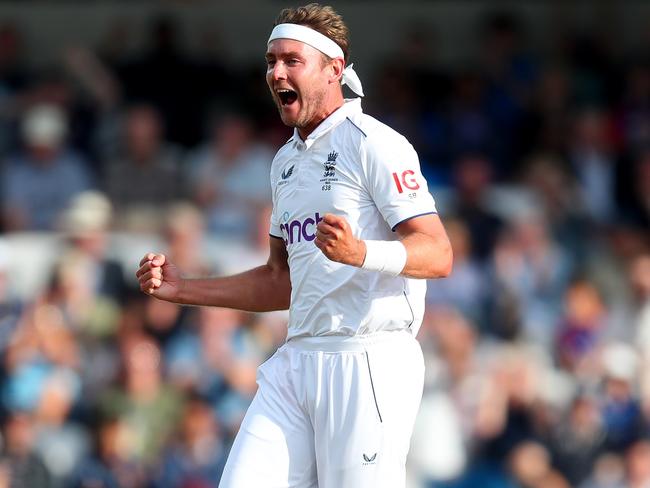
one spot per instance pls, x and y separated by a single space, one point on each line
355 234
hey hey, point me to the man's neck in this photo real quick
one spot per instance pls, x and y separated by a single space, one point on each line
332 107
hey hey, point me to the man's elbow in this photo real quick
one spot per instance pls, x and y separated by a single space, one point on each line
442 263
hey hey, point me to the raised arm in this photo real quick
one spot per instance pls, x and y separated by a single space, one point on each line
260 289
428 251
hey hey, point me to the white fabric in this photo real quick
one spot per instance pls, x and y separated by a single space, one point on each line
385 256
351 79
330 413
321 42
309 36
350 165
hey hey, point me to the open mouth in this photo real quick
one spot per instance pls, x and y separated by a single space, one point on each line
287 97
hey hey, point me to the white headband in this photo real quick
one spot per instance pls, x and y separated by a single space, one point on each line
321 42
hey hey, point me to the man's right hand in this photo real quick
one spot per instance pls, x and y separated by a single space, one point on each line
159 278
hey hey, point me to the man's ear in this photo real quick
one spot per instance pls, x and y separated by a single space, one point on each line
336 67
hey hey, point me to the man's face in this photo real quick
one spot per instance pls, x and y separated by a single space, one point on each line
298 79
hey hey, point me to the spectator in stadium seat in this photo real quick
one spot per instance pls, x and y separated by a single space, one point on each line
578 439
39 181
473 176
470 128
510 72
197 455
110 465
547 120
590 153
60 439
42 344
92 305
620 404
143 403
608 472
21 465
529 264
217 357
184 232
581 328
229 176
465 289
550 181
143 172
530 467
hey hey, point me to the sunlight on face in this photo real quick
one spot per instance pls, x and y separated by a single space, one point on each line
297 77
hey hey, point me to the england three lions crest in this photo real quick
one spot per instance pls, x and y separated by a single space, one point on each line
329 175
330 164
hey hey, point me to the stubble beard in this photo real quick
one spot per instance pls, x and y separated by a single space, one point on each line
311 103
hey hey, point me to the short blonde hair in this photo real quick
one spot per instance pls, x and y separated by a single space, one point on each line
321 18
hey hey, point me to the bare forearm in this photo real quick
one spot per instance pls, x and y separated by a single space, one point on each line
427 257
428 251
261 289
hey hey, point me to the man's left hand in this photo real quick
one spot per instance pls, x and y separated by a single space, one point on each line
334 238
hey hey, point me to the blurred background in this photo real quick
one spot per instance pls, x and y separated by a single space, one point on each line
131 126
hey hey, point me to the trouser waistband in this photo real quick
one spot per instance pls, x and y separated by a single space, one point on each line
338 343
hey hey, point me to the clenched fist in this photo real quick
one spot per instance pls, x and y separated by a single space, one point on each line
158 277
334 238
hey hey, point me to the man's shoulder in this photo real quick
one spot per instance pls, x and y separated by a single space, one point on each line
282 154
286 150
374 131
375 138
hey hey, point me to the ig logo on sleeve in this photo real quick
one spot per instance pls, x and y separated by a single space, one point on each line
406 180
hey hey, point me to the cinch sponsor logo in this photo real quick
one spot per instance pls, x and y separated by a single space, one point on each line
297 230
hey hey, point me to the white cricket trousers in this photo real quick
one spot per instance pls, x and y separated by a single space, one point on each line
330 412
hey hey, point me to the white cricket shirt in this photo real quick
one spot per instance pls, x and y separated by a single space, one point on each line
354 166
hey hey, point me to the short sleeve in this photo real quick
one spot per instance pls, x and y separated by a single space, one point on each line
395 181
274 224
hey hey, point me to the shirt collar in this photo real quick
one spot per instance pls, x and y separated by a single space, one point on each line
349 107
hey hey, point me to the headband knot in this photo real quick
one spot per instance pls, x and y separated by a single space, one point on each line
321 42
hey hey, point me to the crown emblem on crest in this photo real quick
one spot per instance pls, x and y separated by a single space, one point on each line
331 157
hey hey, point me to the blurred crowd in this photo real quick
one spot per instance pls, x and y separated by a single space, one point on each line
537 346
